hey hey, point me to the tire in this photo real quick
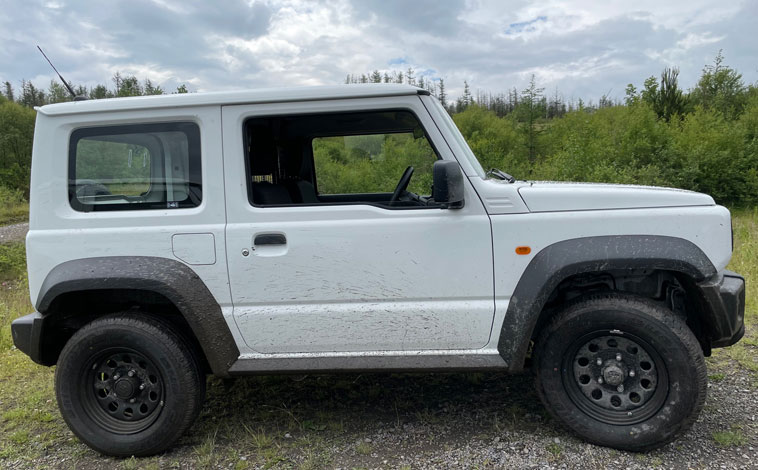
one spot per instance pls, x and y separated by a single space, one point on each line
127 385
661 374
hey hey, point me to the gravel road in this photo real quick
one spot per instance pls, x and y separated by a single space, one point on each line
12 233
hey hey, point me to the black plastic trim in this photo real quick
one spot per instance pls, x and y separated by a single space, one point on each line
723 305
167 277
26 332
557 262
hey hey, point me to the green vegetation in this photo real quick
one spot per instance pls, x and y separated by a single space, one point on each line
13 206
734 437
12 261
372 163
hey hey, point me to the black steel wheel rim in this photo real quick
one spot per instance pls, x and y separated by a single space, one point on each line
123 391
616 378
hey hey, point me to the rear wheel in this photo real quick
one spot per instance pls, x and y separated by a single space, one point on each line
621 371
128 385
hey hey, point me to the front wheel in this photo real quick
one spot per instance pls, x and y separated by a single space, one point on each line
621 371
128 385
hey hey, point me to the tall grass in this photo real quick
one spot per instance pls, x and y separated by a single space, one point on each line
13 206
745 257
14 291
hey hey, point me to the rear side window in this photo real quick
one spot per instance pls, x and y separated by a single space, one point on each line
145 166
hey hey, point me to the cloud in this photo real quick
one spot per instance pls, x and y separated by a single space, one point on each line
584 48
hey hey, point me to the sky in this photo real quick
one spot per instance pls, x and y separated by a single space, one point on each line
579 48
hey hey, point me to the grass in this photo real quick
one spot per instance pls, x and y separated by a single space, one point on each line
276 422
13 207
745 261
14 213
734 437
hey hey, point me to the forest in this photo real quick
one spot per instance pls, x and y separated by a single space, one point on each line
704 138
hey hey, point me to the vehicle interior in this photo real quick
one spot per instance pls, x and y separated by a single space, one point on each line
379 158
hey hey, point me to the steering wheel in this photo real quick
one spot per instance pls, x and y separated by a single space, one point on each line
402 185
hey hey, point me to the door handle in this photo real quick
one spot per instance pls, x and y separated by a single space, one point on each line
270 239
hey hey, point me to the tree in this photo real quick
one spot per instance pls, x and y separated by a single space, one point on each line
467 99
721 88
182 89
442 96
150 89
671 100
30 95
99 92
632 96
376 77
8 92
650 91
127 86
530 111
409 76
57 93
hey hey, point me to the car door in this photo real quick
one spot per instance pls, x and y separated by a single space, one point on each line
344 273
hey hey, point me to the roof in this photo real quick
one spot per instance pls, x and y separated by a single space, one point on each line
270 95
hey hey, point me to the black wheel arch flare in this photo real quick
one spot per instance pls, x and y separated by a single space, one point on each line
566 258
173 280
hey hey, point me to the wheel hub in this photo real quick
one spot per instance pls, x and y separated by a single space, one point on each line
126 387
614 374
127 391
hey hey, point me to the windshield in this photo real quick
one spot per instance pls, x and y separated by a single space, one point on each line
450 126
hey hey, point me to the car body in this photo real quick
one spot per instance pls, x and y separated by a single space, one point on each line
227 219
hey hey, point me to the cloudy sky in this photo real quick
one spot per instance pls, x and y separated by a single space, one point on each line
584 48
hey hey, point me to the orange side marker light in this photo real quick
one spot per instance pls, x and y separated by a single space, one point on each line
523 250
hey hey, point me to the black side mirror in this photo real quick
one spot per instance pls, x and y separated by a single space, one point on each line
448 184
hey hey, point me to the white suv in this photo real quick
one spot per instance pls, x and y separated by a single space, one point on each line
351 228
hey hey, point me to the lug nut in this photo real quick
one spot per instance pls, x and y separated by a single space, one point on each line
600 380
132 400
142 386
618 357
632 373
131 373
599 361
620 388
116 377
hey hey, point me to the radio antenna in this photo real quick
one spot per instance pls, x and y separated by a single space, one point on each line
65 83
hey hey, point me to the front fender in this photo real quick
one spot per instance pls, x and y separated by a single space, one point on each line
561 260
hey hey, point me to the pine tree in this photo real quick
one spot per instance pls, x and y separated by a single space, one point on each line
56 93
99 92
442 96
376 77
467 99
150 89
30 95
8 92
128 86
409 76
530 112
671 100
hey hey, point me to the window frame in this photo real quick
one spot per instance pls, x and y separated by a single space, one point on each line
194 164
309 140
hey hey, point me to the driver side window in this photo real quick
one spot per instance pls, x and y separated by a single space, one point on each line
356 164
340 158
